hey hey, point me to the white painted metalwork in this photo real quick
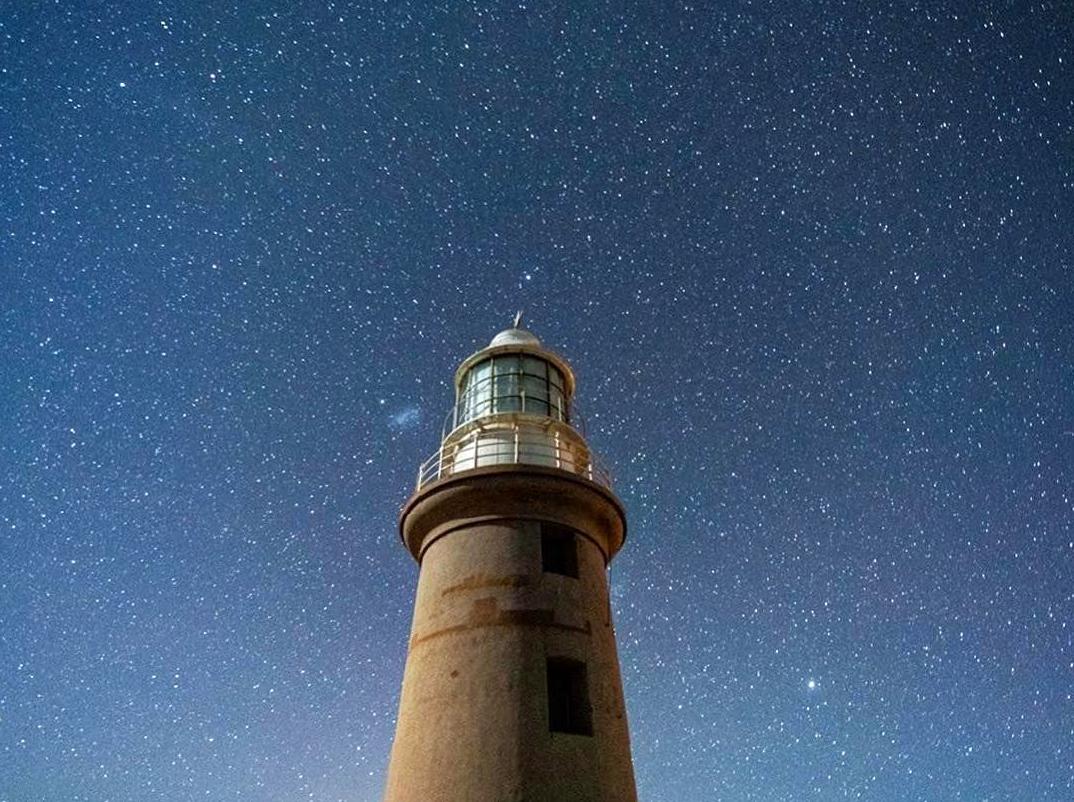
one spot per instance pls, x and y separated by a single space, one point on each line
514 442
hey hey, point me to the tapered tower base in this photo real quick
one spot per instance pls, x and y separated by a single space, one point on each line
512 688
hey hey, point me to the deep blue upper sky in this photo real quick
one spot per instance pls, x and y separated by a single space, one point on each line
811 263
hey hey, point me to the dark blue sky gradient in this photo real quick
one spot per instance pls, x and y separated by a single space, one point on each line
811 263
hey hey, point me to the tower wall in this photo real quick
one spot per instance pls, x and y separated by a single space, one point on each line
473 719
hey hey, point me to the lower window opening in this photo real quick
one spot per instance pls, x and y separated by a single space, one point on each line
568 697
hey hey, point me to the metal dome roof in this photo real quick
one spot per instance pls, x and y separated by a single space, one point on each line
514 336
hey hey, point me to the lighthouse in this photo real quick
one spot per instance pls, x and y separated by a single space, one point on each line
512 690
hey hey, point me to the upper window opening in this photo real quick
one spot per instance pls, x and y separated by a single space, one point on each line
559 550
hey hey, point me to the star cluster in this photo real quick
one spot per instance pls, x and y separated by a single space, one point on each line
811 263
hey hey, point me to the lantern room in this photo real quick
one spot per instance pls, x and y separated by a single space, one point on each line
514 374
513 405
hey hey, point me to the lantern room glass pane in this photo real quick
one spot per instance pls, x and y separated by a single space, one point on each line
476 396
508 397
532 366
507 364
535 390
558 404
479 373
482 405
537 407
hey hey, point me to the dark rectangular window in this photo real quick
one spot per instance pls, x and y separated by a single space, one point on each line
568 697
559 550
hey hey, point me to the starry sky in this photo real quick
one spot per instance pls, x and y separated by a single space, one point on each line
810 261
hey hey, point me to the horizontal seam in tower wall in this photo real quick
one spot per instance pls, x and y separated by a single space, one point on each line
510 581
506 620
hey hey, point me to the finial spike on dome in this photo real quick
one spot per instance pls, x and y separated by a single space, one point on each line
518 320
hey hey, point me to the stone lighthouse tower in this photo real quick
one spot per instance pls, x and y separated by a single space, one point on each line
512 690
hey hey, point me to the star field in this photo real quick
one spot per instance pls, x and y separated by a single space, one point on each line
810 262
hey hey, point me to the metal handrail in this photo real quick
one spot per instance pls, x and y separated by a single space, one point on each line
490 448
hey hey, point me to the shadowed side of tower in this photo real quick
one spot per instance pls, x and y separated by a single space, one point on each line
512 688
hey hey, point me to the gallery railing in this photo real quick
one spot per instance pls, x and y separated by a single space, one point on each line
546 443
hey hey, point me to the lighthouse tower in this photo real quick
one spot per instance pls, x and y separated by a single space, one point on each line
512 690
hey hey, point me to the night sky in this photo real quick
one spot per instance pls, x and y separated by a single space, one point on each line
811 263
